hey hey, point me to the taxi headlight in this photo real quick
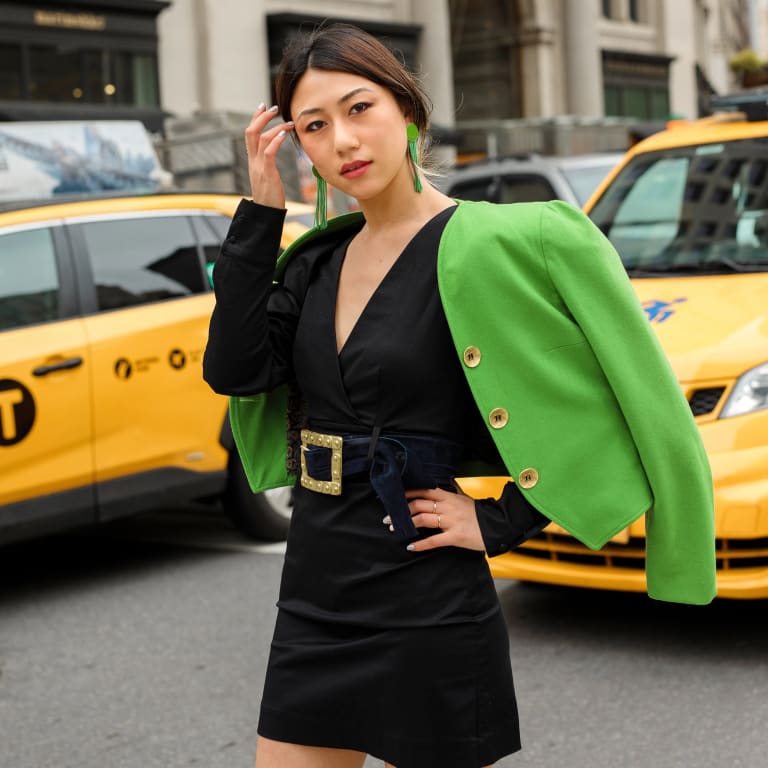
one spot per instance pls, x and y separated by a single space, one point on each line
749 394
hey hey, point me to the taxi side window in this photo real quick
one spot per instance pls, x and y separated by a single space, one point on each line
29 281
211 231
142 260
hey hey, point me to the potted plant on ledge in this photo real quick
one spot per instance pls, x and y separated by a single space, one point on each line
749 67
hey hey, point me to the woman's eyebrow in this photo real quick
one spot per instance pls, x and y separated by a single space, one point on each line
345 97
354 93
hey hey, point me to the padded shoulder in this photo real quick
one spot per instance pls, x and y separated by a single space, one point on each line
514 218
315 241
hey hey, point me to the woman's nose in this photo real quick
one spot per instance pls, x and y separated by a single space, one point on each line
345 138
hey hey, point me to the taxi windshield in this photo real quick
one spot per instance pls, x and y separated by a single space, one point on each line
696 209
584 179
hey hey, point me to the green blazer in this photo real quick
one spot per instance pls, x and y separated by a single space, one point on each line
578 395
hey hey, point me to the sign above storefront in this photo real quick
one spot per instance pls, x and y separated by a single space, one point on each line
90 22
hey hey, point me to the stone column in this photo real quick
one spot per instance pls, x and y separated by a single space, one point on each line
677 24
583 65
536 40
237 39
435 64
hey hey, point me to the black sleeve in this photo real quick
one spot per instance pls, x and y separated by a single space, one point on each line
507 522
253 323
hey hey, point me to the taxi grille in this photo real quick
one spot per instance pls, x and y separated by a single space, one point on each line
705 400
730 553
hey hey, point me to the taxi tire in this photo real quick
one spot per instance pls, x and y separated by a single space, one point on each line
253 514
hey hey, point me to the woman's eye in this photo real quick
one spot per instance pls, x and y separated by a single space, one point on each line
315 125
360 107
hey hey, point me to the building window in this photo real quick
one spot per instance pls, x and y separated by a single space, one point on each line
10 72
82 75
135 78
92 91
626 10
636 85
54 75
644 103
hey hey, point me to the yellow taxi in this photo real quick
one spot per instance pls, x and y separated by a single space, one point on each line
104 310
687 211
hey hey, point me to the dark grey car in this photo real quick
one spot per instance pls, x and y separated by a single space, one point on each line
530 178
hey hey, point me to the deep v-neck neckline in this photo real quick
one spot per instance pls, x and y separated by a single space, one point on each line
385 278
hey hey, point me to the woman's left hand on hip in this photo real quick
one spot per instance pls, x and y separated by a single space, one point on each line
453 514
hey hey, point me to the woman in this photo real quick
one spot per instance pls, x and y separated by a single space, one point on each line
398 345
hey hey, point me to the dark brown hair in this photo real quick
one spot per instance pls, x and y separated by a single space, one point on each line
341 47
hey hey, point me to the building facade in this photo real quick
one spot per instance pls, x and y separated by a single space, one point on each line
481 60
236 47
758 27
90 59
644 59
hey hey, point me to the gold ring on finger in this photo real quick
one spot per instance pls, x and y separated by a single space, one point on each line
438 521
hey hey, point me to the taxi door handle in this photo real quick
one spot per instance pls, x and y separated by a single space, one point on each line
64 365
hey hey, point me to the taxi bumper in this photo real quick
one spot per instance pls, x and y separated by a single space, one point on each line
741 528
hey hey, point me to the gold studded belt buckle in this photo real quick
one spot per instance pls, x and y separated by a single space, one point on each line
334 443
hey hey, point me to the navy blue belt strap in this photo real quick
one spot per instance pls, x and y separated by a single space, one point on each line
395 462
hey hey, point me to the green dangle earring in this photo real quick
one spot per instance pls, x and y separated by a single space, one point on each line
412 132
321 200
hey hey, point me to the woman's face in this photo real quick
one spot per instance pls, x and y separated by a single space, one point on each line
353 131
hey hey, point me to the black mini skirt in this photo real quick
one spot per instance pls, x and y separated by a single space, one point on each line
421 697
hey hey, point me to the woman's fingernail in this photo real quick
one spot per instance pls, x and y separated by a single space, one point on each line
282 133
272 109
410 547
392 528
261 106
387 520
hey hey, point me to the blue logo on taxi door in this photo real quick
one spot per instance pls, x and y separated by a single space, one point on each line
658 311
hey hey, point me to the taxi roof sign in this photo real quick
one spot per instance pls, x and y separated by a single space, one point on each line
753 103
42 160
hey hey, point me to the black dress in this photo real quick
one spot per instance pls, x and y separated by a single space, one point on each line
400 655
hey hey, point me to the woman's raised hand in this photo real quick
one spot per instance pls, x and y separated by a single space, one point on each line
262 146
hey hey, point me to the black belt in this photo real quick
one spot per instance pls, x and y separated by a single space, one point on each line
395 462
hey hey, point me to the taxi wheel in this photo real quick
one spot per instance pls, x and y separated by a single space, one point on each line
264 516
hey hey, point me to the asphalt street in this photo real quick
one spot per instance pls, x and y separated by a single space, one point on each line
143 645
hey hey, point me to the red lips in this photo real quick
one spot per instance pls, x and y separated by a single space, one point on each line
354 168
